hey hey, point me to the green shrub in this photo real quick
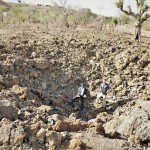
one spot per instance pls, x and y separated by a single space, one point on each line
124 19
112 20
17 14
84 16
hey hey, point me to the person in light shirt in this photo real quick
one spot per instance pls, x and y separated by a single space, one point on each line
82 91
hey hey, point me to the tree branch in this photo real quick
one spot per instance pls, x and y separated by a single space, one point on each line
128 13
54 3
145 17
145 8
120 5
140 2
71 12
137 3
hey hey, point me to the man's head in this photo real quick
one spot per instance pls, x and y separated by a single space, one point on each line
82 84
104 80
107 80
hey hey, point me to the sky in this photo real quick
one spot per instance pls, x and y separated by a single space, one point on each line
103 7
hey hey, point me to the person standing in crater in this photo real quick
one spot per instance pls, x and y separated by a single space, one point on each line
101 97
82 92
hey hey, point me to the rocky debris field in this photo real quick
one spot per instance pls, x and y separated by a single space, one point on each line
40 73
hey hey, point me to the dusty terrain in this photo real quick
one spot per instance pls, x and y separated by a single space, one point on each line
40 72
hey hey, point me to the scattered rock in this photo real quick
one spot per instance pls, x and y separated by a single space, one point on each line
40 77
34 128
41 63
136 123
1 79
5 132
53 138
2 46
6 103
76 144
45 108
41 134
20 90
17 136
61 126
122 60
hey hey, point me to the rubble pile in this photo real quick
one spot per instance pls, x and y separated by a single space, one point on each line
40 73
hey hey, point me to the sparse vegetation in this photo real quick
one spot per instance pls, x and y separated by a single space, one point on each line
46 52
2 10
85 16
63 16
124 19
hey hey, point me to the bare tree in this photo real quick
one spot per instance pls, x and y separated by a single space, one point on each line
67 11
141 15
50 19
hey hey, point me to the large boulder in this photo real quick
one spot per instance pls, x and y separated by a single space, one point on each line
53 138
7 110
71 126
121 60
77 126
22 91
60 126
146 106
17 136
7 106
76 144
1 79
134 122
34 128
12 80
5 132
44 108
41 134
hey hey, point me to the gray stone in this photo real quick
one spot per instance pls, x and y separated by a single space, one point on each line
5 132
17 135
7 110
135 122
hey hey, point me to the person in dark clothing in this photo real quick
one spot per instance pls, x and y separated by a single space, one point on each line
82 91
103 92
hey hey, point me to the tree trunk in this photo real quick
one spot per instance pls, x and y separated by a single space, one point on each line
1 17
138 32
65 22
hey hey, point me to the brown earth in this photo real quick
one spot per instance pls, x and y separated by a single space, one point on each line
40 72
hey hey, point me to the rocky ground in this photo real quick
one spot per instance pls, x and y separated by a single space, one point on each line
40 72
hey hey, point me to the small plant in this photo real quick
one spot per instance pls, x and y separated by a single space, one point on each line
124 19
17 14
37 17
2 10
112 20
4 7
86 16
